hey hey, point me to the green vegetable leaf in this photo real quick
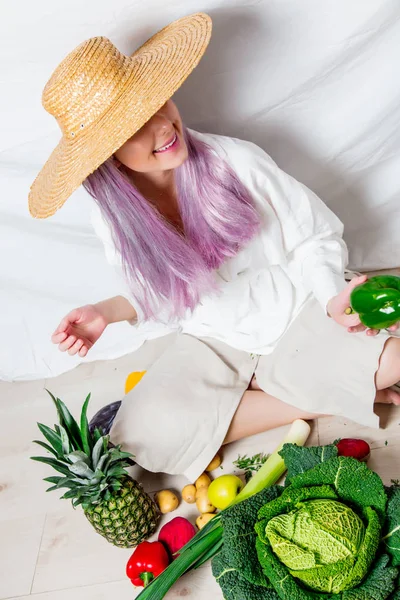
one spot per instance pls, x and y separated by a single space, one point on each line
284 584
353 481
289 500
85 433
367 551
318 538
238 522
208 554
396 595
379 584
391 536
234 586
250 465
299 459
347 572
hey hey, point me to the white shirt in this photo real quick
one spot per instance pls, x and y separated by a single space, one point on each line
299 251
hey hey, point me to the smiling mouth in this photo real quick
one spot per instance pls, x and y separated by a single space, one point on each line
167 146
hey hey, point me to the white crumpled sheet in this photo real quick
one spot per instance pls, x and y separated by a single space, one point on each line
314 83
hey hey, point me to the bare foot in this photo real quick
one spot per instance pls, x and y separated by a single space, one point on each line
387 396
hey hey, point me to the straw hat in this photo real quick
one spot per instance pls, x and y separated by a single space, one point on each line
100 98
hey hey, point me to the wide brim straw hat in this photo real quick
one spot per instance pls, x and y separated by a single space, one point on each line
101 97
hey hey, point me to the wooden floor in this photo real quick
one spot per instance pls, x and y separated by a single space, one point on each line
48 551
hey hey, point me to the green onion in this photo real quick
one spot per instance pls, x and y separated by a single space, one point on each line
208 541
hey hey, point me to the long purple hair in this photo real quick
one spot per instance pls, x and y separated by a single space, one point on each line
166 270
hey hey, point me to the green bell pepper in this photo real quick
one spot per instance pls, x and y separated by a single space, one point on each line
377 301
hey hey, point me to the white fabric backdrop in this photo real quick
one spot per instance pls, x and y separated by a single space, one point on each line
314 83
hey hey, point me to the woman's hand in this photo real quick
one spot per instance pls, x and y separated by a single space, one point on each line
80 329
338 305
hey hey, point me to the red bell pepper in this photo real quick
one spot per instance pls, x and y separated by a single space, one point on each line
148 560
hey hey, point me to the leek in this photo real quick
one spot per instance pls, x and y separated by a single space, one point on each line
208 541
274 467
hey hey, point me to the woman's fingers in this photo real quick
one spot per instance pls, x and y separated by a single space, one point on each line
353 284
83 351
356 328
361 327
68 343
353 321
394 327
57 338
68 320
74 349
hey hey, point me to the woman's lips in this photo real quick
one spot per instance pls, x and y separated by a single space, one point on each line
171 145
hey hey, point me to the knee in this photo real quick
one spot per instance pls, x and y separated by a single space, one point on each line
391 352
145 427
389 364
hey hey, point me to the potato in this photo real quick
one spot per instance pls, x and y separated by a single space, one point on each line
189 493
203 520
203 481
202 502
167 501
214 464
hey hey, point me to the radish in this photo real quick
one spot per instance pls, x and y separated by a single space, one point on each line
355 448
175 534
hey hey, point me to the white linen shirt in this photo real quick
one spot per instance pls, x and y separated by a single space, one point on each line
298 251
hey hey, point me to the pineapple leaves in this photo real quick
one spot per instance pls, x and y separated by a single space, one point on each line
118 456
66 444
68 422
116 471
69 495
53 479
85 433
47 447
101 463
56 464
90 467
97 434
98 450
78 456
52 437
81 469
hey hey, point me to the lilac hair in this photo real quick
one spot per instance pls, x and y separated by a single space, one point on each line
168 271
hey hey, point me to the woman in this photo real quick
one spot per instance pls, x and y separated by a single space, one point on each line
244 263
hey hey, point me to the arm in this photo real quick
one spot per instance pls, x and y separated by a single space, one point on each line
120 307
116 309
311 235
317 252
82 327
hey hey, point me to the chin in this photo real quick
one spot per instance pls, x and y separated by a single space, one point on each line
176 161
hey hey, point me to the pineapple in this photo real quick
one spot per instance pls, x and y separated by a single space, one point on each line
96 478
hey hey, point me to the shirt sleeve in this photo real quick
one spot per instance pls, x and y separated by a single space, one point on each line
113 258
311 233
